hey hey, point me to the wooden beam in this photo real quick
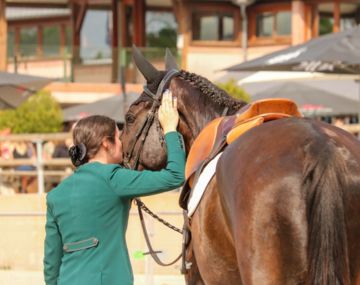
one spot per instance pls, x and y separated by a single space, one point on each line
115 40
82 5
182 16
3 37
139 23
298 22
62 39
40 39
336 27
78 12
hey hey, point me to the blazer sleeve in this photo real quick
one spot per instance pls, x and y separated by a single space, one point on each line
132 183
53 248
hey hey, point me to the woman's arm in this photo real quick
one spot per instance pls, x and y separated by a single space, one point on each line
132 183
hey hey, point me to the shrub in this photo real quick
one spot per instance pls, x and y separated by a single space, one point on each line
234 90
39 114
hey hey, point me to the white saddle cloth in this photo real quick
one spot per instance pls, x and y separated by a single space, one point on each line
199 188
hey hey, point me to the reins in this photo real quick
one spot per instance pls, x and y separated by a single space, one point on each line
141 135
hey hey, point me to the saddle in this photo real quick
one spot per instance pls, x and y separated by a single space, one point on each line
225 130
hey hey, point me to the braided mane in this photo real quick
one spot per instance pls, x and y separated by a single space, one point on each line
212 93
217 95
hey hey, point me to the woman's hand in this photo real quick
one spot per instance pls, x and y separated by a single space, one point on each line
168 113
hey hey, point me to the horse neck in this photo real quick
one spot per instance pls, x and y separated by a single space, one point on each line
195 117
199 102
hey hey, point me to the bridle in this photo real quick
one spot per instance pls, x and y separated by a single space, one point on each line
141 136
145 127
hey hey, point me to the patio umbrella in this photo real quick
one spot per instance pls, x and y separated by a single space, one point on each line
16 88
333 53
311 101
336 53
111 107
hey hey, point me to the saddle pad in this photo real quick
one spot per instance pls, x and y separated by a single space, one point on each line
201 184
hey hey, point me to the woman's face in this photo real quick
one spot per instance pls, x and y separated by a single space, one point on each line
116 151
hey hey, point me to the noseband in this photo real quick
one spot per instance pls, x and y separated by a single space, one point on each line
144 130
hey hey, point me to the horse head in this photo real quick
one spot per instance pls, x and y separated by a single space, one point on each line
199 102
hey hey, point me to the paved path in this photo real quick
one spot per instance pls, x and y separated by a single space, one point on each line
17 277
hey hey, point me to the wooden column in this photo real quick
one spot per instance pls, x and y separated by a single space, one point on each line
315 20
40 40
115 40
336 27
78 12
139 23
298 22
62 39
3 37
181 14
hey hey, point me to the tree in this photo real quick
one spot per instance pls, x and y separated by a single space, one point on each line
234 90
39 114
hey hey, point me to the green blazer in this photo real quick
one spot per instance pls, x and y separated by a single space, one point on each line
87 216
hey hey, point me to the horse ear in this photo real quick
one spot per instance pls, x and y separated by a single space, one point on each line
145 67
170 61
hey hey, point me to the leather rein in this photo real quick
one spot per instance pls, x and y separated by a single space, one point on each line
141 136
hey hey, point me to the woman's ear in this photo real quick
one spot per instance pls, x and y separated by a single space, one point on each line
105 143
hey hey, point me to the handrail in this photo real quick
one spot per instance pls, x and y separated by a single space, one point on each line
31 161
36 137
14 172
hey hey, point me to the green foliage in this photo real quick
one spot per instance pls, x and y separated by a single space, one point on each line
234 90
326 26
39 114
166 38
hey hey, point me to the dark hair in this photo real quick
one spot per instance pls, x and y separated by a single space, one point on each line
88 135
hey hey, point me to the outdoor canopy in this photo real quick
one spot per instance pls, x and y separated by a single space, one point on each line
112 107
333 53
16 88
311 101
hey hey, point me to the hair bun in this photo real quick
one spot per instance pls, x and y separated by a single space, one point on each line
77 154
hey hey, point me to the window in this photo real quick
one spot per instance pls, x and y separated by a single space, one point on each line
68 39
96 35
161 29
28 41
213 26
350 16
283 23
51 40
10 43
326 18
270 24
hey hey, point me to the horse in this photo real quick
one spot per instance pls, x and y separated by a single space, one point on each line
284 204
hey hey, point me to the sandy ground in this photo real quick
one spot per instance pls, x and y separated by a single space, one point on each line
12 277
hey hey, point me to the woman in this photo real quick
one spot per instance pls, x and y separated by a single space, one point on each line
87 214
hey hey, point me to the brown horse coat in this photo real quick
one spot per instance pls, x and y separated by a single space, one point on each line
284 206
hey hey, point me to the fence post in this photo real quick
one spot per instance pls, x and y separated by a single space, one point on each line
40 167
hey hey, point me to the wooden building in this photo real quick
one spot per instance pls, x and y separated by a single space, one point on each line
208 35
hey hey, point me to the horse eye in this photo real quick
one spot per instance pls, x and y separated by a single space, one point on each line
129 118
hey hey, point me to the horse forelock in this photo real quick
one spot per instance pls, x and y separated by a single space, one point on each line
214 93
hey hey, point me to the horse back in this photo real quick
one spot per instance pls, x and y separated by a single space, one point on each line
268 180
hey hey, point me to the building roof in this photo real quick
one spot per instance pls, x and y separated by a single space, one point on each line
20 13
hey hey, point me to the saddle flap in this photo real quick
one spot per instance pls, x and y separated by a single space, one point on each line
202 146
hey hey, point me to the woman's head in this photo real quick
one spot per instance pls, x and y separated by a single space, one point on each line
92 134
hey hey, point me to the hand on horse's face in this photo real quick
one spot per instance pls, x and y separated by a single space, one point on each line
168 113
